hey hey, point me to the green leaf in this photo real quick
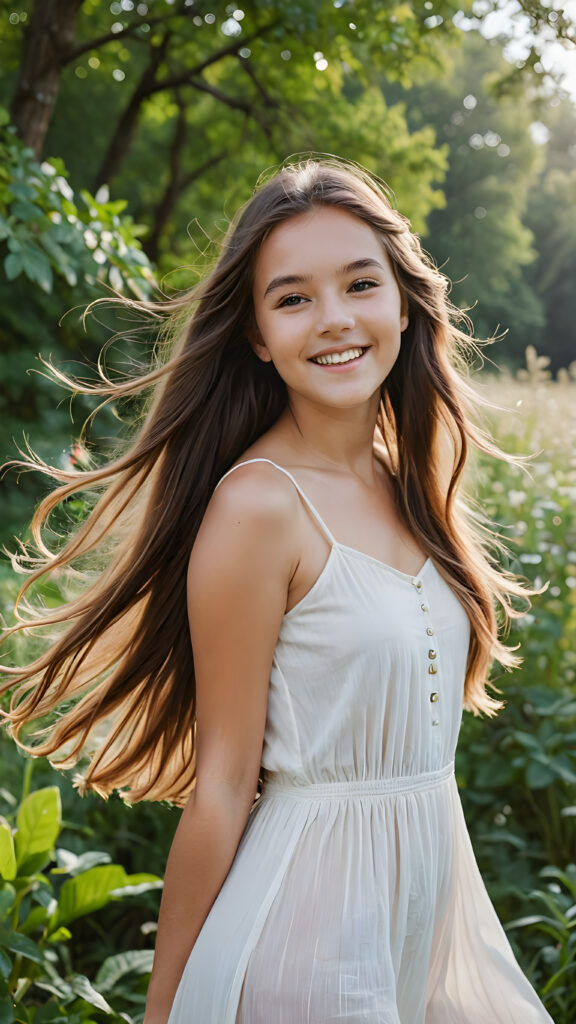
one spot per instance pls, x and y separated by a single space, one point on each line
60 935
60 257
13 265
540 919
36 919
568 877
563 767
526 740
24 210
37 268
7 854
73 864
88 892
38 826
7 897
50 1013
138 888
20 944
83 988
116 967
5 964
539 775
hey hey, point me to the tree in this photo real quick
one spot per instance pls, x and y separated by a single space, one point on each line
181 102
175 44
551 216
48 40
480 236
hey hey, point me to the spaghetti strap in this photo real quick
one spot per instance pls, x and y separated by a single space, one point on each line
305 499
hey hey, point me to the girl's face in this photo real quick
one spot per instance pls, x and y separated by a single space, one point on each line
329 311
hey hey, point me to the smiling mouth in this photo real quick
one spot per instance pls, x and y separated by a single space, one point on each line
351 355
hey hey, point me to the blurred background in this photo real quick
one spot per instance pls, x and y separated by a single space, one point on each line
130 132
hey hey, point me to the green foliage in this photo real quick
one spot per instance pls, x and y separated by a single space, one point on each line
517 773
554 963
47 229
479 235
44 889
58 249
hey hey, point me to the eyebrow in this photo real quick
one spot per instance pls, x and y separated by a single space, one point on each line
348 268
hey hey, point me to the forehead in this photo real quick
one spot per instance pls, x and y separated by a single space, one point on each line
320 238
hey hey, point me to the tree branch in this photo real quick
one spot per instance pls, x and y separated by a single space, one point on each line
176 81
67 56
228 101
247 67
247 108
206 166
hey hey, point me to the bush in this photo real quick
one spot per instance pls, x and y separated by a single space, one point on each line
59 251
44 889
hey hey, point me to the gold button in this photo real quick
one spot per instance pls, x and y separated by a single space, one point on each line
433 697
436 722
424 607
432 670
431 653
429 631
417 583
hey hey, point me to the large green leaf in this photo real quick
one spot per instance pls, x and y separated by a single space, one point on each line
83 988
115 967
7 854
38 826
87 892
21 944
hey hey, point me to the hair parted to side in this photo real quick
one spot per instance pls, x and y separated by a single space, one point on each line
119 667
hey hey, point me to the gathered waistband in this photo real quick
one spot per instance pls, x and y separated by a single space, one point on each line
273 787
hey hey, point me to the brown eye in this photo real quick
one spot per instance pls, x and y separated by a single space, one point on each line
363 285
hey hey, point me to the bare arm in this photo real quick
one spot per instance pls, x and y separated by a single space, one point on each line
240 570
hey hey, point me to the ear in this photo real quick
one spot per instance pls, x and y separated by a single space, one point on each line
256 343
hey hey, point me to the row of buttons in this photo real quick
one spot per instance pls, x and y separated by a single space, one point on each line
432 667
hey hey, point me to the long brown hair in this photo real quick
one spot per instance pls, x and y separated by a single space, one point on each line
119 666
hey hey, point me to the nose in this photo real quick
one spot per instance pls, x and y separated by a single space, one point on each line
334 317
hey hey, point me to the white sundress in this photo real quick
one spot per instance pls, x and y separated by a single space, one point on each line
354 896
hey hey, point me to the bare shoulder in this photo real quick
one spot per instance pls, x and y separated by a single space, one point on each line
251 514
258 489
254 495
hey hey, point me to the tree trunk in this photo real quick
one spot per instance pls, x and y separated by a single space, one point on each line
124 135
48 36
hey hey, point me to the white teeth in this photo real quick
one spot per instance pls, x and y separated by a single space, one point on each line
339 357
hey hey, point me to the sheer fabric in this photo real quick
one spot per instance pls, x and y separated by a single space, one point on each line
354 896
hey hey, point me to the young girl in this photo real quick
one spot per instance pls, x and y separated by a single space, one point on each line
294 491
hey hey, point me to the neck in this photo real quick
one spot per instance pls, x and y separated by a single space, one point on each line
341 439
